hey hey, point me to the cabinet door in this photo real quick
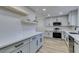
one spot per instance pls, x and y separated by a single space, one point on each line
73 18
76 47
40 40
70 19
33 44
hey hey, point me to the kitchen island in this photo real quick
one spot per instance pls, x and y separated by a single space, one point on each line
73 41
28 43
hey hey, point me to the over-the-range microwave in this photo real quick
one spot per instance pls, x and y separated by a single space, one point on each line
56 23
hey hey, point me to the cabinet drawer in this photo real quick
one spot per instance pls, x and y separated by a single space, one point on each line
23 49
15 46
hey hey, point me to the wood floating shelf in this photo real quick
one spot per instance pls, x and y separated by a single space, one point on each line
16 10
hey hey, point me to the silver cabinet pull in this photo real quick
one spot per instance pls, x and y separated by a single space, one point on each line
37 42
40 39
19 45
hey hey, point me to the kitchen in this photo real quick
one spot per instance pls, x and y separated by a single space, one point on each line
39 29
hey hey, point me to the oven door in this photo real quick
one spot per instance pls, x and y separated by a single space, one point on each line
57 35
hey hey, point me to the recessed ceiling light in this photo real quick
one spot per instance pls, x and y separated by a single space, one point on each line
44 9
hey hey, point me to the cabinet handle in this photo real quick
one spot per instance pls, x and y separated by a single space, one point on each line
19 45
40 39
37 42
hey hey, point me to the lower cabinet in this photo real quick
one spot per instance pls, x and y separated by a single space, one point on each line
35 43
76 47
40 40
30 45
19 47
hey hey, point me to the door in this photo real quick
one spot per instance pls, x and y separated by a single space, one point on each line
40 40
56 34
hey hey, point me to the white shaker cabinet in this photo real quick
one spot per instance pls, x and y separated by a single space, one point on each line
29 45
22 45
39 41
33 44
72 18
76 47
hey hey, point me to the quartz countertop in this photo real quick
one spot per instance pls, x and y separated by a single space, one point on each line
75 36
11 40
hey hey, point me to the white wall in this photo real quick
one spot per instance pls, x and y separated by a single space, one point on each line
40 25
10 28
10 23
31 15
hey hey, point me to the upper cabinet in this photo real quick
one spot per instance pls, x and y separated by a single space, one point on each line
16 10
72 18
61 19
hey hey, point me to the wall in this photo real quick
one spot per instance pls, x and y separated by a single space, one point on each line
10 28
77 29
43 24
31 15
10 23
40 25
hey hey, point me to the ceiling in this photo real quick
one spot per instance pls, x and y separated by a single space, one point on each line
53 10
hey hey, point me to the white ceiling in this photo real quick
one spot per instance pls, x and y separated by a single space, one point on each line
53 10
